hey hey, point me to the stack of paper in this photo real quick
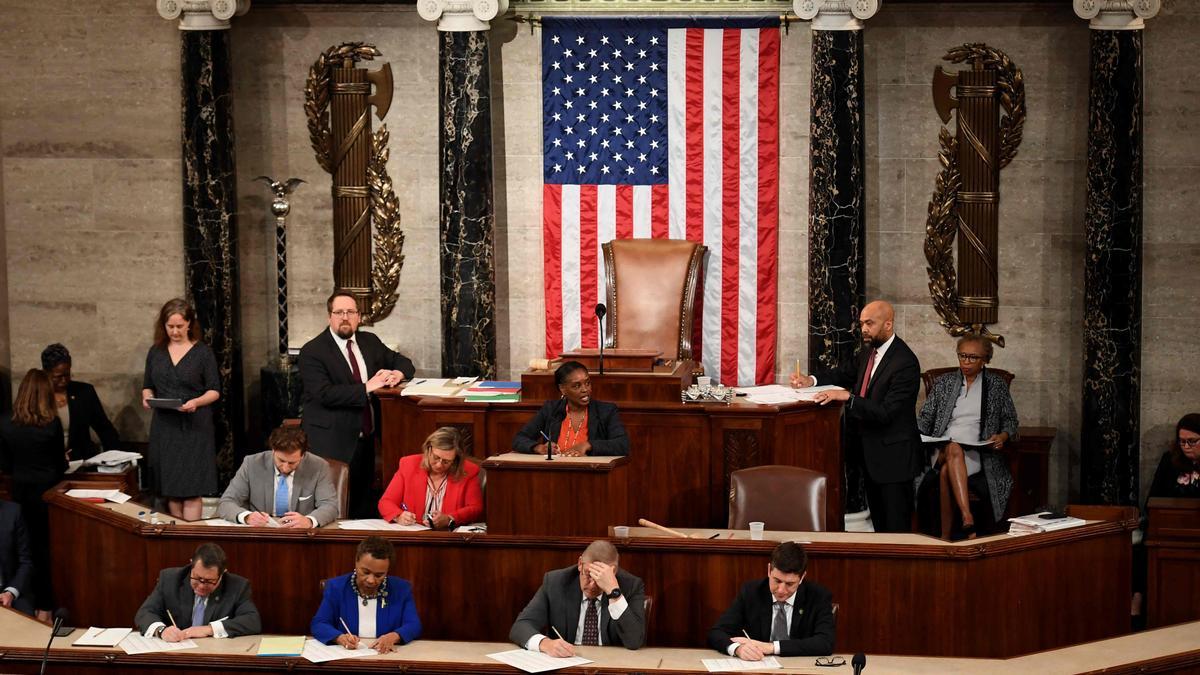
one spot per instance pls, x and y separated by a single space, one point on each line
316 652
110 495
778 394
378 524
733 665
1035 523
494 391
135 643
102 637
434 386
284 645
112 457
536 662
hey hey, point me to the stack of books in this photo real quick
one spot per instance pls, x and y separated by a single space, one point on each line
494 391
1043 521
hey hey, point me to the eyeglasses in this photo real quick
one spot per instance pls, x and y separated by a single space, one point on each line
969 358
434 459
1189 442
831 661
343 313
206 582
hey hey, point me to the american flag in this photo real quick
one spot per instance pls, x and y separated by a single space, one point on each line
664 129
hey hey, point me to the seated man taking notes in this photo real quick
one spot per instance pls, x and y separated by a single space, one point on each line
589 603
201 599
782 614
286 482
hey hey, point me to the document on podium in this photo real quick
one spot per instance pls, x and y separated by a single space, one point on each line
536 662
733 665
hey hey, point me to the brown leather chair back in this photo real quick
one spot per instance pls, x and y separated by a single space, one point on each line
339 474
783 497
651 292
932 374
482 475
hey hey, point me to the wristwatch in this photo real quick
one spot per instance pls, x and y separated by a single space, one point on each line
614 594
159 631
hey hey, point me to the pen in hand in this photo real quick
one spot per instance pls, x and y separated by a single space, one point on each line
172 618
353 639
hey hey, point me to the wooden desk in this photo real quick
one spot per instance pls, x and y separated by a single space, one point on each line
22 641
898 593
680 456
587 494
1173 561
662 385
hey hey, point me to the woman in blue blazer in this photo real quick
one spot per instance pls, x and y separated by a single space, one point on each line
368 604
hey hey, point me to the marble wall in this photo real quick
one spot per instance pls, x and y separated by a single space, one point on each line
90 184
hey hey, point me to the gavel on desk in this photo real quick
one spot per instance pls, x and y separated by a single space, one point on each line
674 533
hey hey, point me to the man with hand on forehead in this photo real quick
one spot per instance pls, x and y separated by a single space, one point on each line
591 603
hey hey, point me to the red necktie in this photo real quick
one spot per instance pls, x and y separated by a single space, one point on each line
862 391
366 414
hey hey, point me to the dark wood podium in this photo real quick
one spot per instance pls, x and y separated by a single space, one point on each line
1172 561
565 496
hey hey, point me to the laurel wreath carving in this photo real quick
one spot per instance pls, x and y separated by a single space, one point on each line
943 221
387 257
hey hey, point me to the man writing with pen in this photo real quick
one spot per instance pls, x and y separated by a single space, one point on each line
201 599
367 606
286 486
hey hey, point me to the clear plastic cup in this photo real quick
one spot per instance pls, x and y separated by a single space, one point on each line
621 531
756 530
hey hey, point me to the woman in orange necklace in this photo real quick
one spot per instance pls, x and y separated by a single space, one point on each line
574 425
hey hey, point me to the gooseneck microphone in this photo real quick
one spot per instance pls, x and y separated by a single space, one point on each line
859 662
601 310
60 616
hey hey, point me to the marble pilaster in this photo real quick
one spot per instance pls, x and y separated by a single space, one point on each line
210 222
467 246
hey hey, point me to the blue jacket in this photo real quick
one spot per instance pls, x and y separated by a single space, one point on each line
340 603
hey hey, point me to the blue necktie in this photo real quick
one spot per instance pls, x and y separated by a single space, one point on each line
198 613
281 496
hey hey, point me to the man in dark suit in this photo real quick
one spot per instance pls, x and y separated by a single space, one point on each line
590 603
287 482
16 560
201 599
340 369
880 391
782 614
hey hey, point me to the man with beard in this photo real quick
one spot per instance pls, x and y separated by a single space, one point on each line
880 394
340 369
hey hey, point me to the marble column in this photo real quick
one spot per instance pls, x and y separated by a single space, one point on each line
837 194
1112 330
210 203
467 224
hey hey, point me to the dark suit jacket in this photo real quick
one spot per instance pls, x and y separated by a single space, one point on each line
174 592
813 624
606 433
884 423
32 455
557 604
86 413
339 603
16 560
333 402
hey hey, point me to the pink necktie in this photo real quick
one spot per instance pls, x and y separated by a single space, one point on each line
862 391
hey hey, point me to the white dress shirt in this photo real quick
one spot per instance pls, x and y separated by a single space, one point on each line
615 609
879 352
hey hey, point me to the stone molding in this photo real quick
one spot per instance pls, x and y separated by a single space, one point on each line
202 14
457 16
836 14
1116 14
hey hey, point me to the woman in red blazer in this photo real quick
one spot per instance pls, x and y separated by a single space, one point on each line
438 487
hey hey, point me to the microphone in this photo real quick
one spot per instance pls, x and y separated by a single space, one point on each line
60 616
601 310
859 662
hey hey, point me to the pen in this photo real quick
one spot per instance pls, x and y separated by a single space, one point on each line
345 626
560 637
746 634
172 620
423 379
715 535
543 433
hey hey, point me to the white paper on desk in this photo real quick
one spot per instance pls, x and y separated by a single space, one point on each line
472 527
807 393
136 643
113 457
111 495
738 665
763 390
536 662
773 399
221 522
379 524
316 652
102 637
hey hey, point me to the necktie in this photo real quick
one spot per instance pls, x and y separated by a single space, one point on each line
358 377
591 624
862 391
779 625
281 496
198 613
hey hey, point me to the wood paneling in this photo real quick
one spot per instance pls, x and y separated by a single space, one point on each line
1173 561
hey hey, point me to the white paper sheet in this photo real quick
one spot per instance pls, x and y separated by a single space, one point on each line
221 522
536 662
113 457
102 637
111 495
379 524
135 643
734 665
316 652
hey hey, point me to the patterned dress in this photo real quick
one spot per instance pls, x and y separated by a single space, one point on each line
183 457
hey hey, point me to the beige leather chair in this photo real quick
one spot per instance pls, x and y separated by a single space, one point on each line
339 474
650 286
783 497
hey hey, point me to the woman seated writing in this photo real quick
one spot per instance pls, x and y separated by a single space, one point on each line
438 488
574 425
973 409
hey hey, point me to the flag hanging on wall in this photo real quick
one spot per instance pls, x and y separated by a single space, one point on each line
664 129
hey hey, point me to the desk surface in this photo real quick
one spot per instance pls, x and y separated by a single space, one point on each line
23 639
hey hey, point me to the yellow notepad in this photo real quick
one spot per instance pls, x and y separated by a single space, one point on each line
284 645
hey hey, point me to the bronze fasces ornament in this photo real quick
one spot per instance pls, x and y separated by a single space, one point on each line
990 100
367 240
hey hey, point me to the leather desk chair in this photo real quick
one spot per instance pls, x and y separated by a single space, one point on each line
783 497
339 475
650 287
